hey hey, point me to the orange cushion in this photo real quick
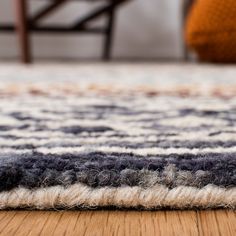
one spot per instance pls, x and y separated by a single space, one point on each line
211 30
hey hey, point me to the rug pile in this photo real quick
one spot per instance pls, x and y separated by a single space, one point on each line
65 146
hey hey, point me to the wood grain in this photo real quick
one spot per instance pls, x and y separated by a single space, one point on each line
108 223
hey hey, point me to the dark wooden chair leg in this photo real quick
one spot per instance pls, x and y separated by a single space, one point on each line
109 35
22 30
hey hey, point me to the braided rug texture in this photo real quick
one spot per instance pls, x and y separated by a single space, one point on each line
67 147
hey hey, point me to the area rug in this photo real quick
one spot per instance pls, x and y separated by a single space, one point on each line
76 145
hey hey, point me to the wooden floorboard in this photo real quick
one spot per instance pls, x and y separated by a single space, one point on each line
109 223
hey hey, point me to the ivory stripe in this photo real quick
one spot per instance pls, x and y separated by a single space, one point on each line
103 139
137 151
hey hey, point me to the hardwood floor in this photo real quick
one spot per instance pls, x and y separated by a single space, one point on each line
108 223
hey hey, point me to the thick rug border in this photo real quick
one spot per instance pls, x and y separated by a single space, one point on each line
81 196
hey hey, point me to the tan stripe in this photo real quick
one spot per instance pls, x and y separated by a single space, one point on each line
81 195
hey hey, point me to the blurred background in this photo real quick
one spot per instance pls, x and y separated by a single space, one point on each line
143 30
133 30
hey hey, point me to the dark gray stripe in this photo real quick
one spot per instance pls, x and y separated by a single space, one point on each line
122 169
158 144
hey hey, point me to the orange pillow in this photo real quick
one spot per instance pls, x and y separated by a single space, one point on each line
211 30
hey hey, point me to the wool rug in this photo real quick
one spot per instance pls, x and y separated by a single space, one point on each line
82 144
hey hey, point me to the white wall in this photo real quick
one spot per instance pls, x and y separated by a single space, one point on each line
144 29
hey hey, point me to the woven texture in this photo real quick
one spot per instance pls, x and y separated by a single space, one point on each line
125 136
211 30
66 146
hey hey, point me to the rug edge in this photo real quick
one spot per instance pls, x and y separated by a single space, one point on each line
81 196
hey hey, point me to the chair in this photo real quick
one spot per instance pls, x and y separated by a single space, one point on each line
24 24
